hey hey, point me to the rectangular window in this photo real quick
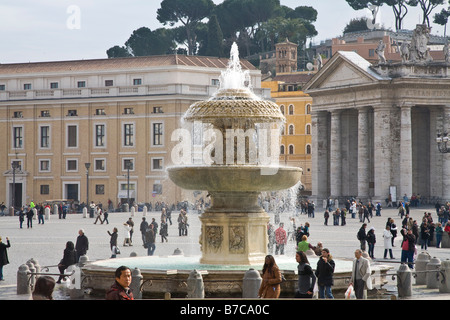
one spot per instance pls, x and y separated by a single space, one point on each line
45 189
72 113
99 165
100 112
18 138
158 110
128 134
81 84
158 134
54 85
72 132
27 86
44 165
128 111
2 87
45 113
99 189
137 82
128 164
157 188
99 135
17 164
45 137
157 164
109 83
72 165
18 114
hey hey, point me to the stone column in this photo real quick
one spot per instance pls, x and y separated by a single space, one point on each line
436 158
382 151
446 159
319 156
363 154
405 153
335 155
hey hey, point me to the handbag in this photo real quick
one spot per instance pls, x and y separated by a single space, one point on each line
283 279
350 293
116 250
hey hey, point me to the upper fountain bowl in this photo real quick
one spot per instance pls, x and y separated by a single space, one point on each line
235 104
235 178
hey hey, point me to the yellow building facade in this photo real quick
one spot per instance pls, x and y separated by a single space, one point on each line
117 115
295 141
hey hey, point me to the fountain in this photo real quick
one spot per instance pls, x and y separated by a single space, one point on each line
241 162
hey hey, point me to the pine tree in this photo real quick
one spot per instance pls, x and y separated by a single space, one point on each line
214 47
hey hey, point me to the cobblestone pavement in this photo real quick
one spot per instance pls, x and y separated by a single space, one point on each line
46 242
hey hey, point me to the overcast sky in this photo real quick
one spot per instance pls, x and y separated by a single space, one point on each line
50 30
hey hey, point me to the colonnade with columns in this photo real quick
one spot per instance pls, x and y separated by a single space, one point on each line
364 151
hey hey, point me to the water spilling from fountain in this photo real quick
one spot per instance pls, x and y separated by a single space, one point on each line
240 160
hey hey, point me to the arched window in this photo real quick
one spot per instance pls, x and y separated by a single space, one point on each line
291 109
308 149
308 128
291 129
282 109
308 109
291 149
282 149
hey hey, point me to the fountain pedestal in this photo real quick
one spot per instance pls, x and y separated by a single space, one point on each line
234 228
237 238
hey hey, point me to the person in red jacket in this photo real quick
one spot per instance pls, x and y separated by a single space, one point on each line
280 239
120 290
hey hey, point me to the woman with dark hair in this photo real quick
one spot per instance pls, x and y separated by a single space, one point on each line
324 273
306 277
271 279
43 289
69 258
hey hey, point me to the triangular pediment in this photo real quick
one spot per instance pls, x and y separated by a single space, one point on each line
344 69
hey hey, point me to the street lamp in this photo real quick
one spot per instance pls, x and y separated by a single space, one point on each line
14 166
87 165
128 166
442 139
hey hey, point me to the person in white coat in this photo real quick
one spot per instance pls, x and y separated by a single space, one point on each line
361 279
353 207
387 236
127 239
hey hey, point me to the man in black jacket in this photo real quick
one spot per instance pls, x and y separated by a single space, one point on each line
82 244
362 237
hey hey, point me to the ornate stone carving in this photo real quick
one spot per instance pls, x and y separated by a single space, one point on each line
237 239
214 237
419 44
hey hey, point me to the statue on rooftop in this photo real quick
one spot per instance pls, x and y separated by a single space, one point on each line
404 51
380 52
447 51
419 43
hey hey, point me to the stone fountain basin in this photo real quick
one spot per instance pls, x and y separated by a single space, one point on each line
234 178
